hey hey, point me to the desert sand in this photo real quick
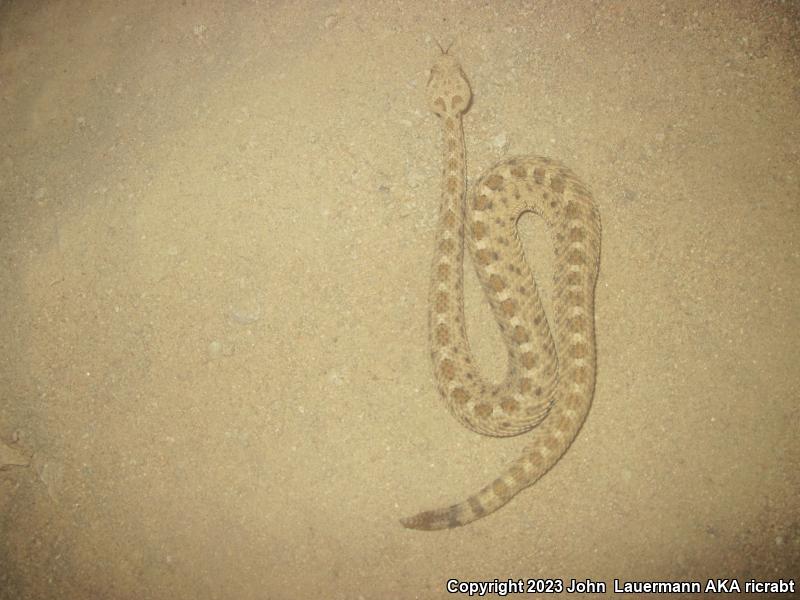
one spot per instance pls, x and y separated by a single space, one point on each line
216 225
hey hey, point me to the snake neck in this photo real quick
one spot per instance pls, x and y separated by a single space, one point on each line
454 178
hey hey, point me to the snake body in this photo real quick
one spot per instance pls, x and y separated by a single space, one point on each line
551 371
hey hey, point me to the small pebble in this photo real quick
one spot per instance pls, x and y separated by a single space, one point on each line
215 349
500 141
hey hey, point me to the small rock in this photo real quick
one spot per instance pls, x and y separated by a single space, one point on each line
11 457
51 474
500 141
215 349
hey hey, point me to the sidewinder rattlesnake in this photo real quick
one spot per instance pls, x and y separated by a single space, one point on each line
549 383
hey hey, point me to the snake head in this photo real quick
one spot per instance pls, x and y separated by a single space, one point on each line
448 88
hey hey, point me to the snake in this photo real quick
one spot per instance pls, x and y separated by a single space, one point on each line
551 366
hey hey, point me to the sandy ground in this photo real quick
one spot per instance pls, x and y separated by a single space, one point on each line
215 234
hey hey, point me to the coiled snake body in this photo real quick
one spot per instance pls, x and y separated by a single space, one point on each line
549 382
